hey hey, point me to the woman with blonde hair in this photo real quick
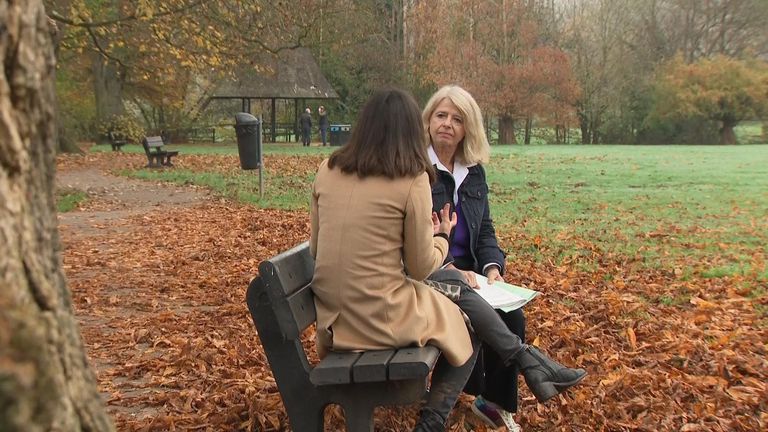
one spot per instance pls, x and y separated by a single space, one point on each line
458 148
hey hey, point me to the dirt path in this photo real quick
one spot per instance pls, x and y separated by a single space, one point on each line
111 198
104 217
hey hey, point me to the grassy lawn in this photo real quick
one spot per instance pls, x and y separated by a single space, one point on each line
692 210
68 199
649 202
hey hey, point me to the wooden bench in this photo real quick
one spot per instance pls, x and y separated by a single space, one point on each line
156 156
281 303
117 141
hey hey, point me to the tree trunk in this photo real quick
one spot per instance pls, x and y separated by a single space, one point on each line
586 136
506 130
561 134
107 87
593 127
65 143
528 127
45 381
727 135
765 132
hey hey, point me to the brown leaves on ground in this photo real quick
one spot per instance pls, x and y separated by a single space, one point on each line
160 298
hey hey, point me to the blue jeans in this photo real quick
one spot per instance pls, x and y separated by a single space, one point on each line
323 133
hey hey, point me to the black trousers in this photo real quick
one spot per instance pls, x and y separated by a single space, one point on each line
496 377
490 378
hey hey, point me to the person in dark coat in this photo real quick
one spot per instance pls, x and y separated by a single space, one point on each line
305 123
457 150
323 123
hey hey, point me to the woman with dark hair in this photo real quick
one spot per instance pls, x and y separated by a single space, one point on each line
375 239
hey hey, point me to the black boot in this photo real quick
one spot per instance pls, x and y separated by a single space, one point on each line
430 421
544 376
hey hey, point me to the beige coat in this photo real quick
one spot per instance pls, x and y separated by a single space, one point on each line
365 234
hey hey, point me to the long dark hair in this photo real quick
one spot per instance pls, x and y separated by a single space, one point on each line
387 139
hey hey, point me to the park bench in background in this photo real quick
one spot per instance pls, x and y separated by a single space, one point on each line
116 140
156 156
281 303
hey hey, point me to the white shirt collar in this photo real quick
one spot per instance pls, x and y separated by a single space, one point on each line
459 174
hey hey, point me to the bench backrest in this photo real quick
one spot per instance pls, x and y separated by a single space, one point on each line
155 141
152 142
286 279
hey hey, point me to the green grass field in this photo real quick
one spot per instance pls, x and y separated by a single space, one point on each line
649 202
694 210
68 199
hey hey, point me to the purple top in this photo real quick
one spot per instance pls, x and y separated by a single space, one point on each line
460 243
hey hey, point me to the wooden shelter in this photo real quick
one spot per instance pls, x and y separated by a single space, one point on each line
290 75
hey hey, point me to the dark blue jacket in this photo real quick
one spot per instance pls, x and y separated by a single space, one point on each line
473 194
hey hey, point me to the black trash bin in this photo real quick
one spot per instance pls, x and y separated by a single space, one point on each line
248 130
339 134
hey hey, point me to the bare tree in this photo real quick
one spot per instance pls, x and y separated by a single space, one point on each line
45 381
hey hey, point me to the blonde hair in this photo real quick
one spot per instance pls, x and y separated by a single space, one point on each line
474 148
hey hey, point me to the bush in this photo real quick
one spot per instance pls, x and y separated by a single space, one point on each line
694 130
124 126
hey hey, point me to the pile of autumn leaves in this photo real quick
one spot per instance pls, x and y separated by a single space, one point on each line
160 300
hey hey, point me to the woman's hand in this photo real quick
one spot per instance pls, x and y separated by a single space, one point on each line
445 222
493 274
469 275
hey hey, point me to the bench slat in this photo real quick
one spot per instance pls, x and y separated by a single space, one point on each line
372 366
410 363
154 141
302 305
334 369
293 269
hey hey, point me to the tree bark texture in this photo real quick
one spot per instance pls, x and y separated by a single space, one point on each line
107 86
506 130
45 381
528 129
727 134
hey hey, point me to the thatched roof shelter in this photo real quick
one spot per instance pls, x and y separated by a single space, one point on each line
290 75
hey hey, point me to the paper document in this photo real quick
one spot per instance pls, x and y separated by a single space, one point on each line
502 295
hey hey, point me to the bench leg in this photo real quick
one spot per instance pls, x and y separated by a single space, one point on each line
306 418
359 416
155 161
168 161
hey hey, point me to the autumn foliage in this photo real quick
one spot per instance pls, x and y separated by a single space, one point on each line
720 89
495 50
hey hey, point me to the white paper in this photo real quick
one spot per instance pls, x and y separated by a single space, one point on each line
502 295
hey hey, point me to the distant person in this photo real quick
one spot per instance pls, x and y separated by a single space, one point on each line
305 122
323 123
